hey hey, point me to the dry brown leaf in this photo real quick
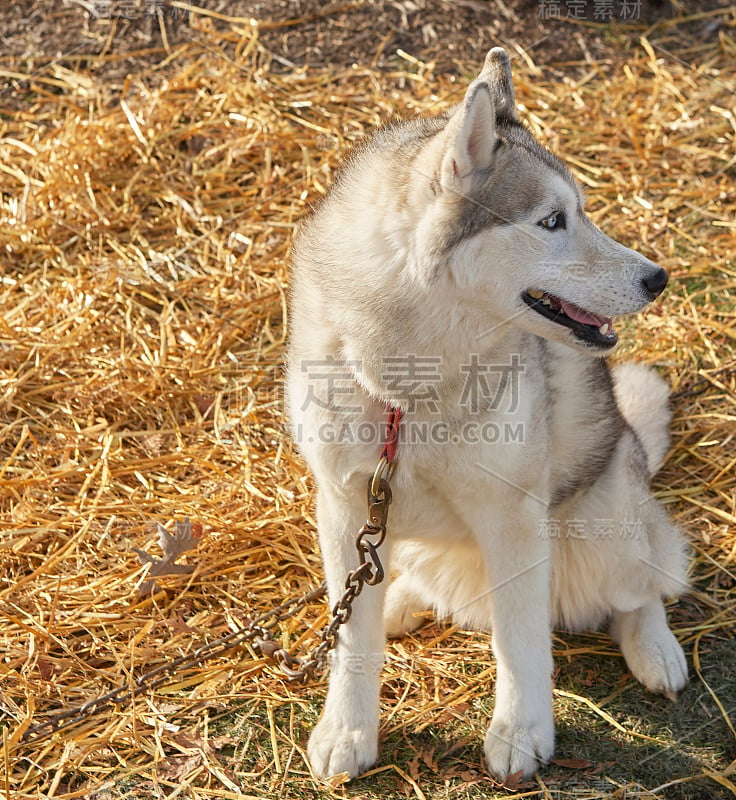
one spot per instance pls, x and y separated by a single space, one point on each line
428 757
572 763
414 768
186 537
516 781
176 768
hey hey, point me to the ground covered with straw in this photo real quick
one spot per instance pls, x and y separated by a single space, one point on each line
145 227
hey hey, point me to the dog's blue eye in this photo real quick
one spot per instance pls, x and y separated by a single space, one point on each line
554 222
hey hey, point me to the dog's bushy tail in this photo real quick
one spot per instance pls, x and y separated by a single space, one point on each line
643 398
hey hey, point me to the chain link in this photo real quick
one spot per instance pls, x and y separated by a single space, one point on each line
258 631
369 572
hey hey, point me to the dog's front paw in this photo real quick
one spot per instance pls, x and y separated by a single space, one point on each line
335 748
512 747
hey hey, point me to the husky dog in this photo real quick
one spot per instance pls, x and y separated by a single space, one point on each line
452 273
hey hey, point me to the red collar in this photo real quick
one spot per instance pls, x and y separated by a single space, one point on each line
393 420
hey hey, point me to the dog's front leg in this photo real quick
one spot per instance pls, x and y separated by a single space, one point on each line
521 734
346 737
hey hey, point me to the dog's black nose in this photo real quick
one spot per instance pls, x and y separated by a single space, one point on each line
655 282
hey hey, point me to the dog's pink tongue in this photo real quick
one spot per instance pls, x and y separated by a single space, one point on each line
581 316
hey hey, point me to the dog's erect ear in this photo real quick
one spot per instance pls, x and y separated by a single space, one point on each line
496 73
472 133
472 130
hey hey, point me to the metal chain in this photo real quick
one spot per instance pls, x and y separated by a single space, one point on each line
370 572
258 632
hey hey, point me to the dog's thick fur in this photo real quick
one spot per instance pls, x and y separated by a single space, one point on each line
521 501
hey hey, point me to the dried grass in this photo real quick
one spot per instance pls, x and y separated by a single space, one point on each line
145 241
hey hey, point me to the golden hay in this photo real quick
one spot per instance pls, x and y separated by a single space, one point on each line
145 239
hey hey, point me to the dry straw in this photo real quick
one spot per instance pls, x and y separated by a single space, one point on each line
145 239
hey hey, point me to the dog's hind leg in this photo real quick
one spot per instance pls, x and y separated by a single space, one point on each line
643 398
346 737
404 604
652 653
448 577
631 558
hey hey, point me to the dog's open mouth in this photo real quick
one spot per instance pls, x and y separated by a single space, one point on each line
590 328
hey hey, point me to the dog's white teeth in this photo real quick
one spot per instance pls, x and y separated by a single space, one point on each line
603 330
535 294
